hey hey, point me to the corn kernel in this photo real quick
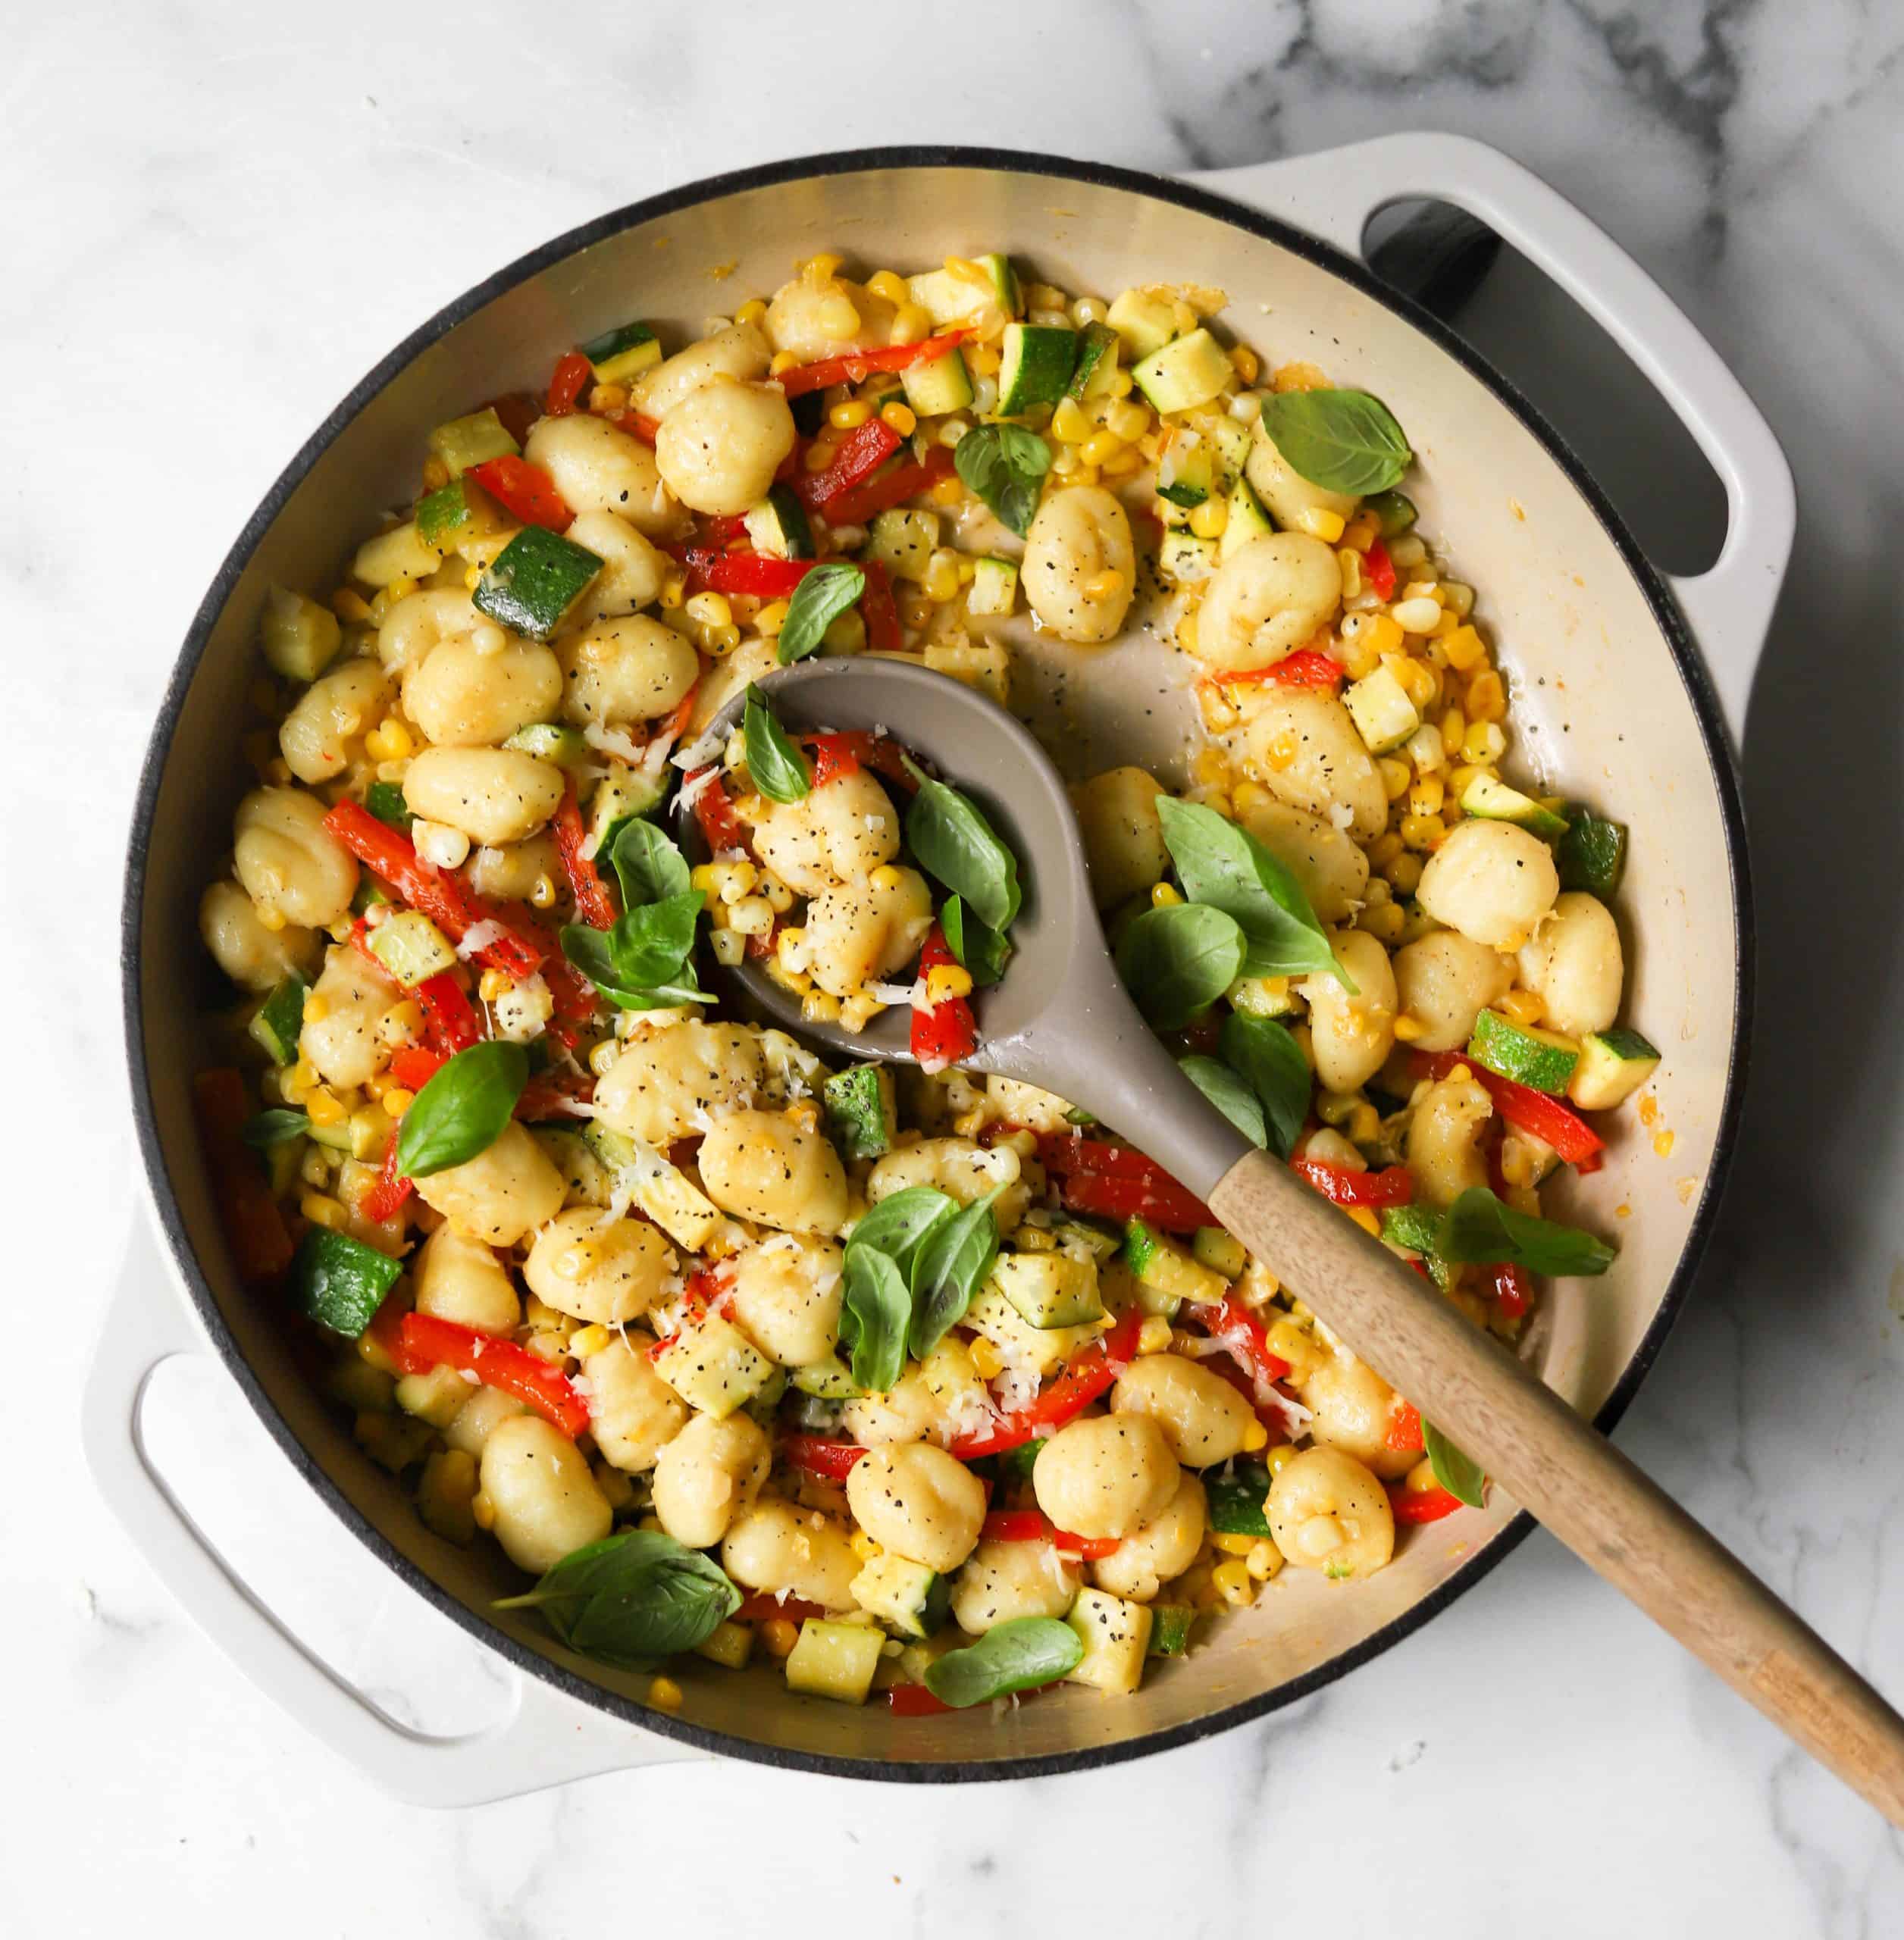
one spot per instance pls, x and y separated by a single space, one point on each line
1525 1007
1423 831
491 985
1384 634
601 1060
1233 1583
946 980
542 892
350 605
912 324
1154 1337
322 1210
323 1108
901 418
1128 419
1385 921
482 1510
1245 362
887 284
1209 519
1464 648
1282 751
1164 896
1395 777
771 618
1280 1458
864 1547
1099 446
396 1101
1425 795
754 311
1359 534
674 591
1403 873
665 1694
388 740
711 609
1232 1545
778 1637
987 1361
1299 377
850 416
1255 1436
1367 1219
1663 1142
1320 523
1487 699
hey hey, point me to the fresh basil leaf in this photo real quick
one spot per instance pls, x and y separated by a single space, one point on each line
631 1598
650 941
979 948
898 1222
875 1311
274 1128
463 1110
1461 1477
1018 1655
1262 1051
1229 1094
955 844
1005 464
1225 867
1478 1227
384 799
778 768
949 1266
1175 960
1344 441
592 952
647 864
820 597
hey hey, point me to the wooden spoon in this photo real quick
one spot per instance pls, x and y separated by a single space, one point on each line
1060 1019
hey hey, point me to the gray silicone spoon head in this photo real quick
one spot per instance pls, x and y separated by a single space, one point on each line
1060 1017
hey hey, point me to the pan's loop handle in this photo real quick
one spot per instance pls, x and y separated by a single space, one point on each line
542 1738
1333 195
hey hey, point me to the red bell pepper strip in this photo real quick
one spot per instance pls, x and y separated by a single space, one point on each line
835 754
415 1064
548 1092
636 423
1379 570
762 1607
442 896
1423 1505
943 1034
1547 1119
386 1198
857 365
1088 1549
1119 1182
1068 1393
517 412
254 1228
499 1364
890 488
1513 1291
386 1331
914 1701
1032 1525
569 380
448 1014
754 573
819 1455
714 810
861 453
523 490
593 904
1393 1185
1228 1321
1307 667
1404 1429
879 609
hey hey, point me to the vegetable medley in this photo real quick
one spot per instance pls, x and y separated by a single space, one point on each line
914 1383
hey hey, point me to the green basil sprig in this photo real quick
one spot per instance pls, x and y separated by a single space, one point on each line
1262 1053
1461 1477
1478 1227
899 1222
631 1598
273 1127
1018 1655
462 1110
779 769
1226 868
1005 465
949 1266
820 597
649 867
1344 441
1176 960
956 844
1229 1094
875 1312
979 947
639 963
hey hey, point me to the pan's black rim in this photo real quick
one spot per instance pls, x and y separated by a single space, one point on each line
1672 625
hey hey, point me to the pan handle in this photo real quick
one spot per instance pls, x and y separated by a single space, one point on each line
544 1738
1332 194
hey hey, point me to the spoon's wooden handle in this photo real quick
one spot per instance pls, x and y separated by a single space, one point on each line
1580 1486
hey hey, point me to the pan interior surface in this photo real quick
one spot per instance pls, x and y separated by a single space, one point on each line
1607 705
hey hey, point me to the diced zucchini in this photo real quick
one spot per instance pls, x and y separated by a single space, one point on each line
713 1366
1230 444
392 1441
410 947
907 1595
1247 520
617 796
1262 996
1146 323
1236 1497
1221 1252
585 1179
1164 1266
860 1114
1080 1237
835 1660
1171 1627
1042 1350
1592 855
1180 375
299 637
729 1644
621 353
1004 282
1613 1065
1185 560
936 385
1184 473
1489 800
472 440
339 1281
384 799
282 1164
669 1196
994 587
401 553
435 1396
460 510
566 747
1395 510
1116 1635
446 1495
1094 370
829 1380
779 525
1036 367
903 541
1050 1289
1384 716
536 579
279 1019
1016 1465
1542 1060
947 297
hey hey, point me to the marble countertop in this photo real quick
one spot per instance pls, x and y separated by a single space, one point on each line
217 218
